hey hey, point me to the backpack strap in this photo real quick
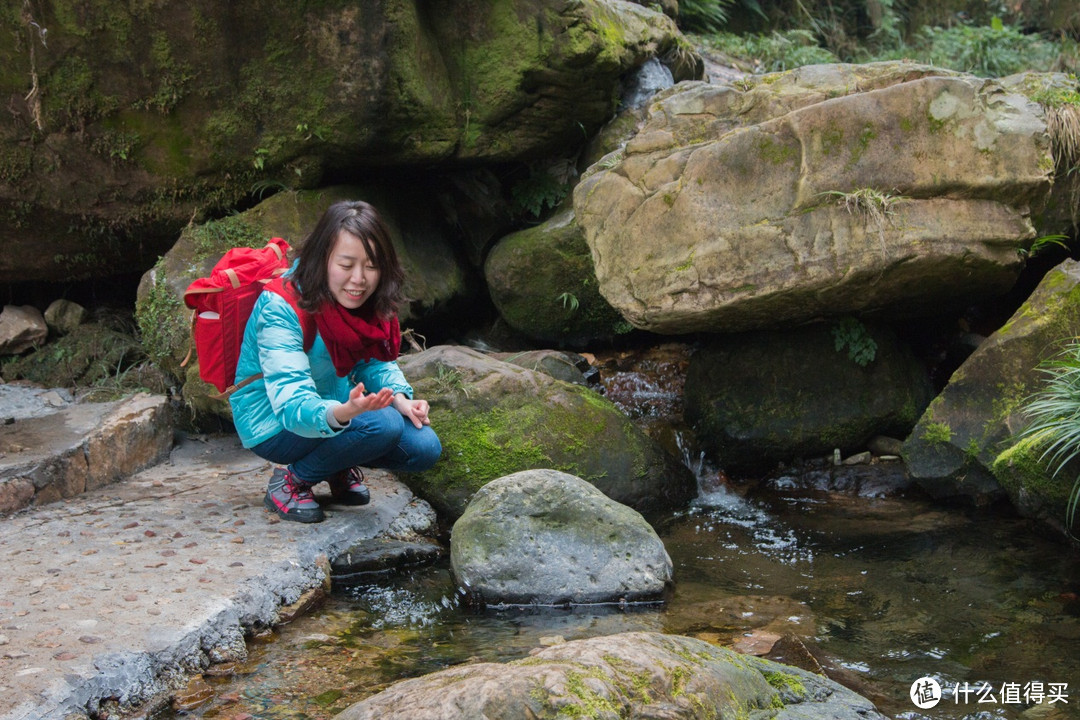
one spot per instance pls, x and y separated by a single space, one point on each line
284 288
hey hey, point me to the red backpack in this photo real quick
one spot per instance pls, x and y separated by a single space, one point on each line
222 302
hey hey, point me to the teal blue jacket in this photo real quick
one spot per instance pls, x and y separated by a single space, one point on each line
297 388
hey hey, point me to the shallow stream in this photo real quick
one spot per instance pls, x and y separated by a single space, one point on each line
879 587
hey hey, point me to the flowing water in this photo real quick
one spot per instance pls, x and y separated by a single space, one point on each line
842 571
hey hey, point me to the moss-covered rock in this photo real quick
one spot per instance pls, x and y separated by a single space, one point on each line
1033 488
952 450
542 282
127 120
775 396
628 675
495 419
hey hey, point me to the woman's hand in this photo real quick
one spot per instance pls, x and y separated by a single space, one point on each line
358 403
416 411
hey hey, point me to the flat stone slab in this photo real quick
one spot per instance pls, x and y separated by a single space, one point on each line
118 592
45 456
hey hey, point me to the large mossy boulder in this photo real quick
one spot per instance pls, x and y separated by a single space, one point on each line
758 399
495 419
542 282
435 275
952 450
546 537
127 119
629 675
823 190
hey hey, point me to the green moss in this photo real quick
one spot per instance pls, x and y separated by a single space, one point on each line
217 236
590 703
786 683
936 433
775 152
162 322
70 98
680 678
1020 471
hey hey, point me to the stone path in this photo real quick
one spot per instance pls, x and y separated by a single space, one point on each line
113 597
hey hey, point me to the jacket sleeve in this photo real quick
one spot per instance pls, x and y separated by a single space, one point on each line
286 370
376 374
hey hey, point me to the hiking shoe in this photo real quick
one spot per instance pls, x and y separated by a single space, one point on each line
291 499
347 488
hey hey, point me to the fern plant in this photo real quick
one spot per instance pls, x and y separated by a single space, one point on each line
1054 413
851 334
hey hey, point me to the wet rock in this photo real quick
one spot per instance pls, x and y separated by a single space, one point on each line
21 327
546 537
647 675
567 366
377 556
761 398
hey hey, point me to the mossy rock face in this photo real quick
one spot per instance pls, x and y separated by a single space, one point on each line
952 449
631 675
130 119
434 274
495 419
731 209
1034 490
543 284
775 396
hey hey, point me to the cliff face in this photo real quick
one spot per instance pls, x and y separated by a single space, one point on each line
126 121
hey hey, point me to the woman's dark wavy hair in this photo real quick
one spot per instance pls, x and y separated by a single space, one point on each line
360 219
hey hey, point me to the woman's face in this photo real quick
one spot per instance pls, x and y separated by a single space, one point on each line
352 275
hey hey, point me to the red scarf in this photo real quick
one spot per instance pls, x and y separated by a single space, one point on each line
351 338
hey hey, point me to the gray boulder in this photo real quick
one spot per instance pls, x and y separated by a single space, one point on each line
823 190
952 449
545 537
495 418
756 399
638 675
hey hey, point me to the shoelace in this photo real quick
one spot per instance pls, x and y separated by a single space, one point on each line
295 489
354 476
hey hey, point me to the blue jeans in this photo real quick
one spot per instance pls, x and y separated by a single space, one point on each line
375 439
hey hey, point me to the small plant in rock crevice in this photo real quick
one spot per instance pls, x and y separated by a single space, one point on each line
876 206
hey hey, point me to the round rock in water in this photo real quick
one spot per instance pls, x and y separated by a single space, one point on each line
546 537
